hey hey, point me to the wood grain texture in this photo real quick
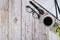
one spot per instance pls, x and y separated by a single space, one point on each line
4 19
14 19
27 23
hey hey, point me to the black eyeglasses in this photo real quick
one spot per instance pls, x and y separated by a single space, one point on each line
34 13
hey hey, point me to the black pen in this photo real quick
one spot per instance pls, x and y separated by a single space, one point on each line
39 10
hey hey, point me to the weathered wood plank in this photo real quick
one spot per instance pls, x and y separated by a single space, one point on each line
23 21
29 26
27 22
4 19
40 30
14 19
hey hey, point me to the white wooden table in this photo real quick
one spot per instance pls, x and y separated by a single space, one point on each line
17 24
